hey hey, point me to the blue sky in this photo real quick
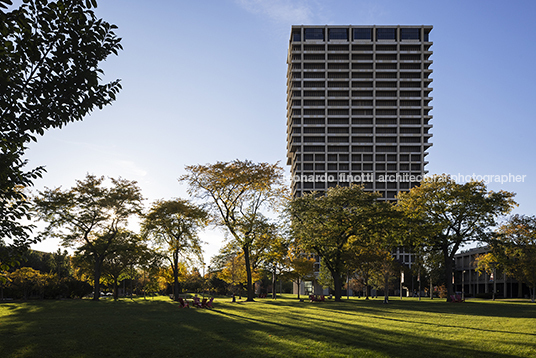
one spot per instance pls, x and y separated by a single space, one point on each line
204 81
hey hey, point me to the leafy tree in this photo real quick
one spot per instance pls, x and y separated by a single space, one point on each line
489 264
173 226
325 278
59 263
387 268
49 75
454 215
193 281
276 256
237 191
301 265
148 272
433 266
147 282
26 280
126 251
514 250
55 263
364 261
390 229
233 271
90 216
216 285
324 224
166 276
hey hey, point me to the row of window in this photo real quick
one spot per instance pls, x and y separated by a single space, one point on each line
359 48
358 157
360 112
359 34
362 103
358 166
360 57
361 139
361 130
370 177
413 92
358 66
370 74
361 121
412 83
360 148
408 83
346 112
385 195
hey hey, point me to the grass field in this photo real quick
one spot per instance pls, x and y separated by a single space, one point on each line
267 328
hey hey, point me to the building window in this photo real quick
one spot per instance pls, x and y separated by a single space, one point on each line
386 34
314 34
338 34
410 34
362 34
296 35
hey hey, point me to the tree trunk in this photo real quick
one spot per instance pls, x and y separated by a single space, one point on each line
494 283
116 293
274 296
251 293
419 284
366 279
299 288
176 275
96 277
448 273
386 287
338 286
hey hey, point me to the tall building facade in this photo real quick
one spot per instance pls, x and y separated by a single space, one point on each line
358 107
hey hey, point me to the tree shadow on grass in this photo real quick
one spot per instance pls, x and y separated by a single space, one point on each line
478 308
357 338
161 329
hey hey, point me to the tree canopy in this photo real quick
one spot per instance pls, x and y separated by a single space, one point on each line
126 251
172 225
90 215
514 250
50 53
236 193
454 215
324 223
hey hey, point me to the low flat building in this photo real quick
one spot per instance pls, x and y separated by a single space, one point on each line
475 284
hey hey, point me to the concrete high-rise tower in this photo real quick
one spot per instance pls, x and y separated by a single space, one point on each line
358 107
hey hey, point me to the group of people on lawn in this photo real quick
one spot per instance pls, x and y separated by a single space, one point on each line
197 303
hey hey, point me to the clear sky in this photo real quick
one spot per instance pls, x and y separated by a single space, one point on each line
205 81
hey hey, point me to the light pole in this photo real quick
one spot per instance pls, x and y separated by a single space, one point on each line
347 284
419 279
463 285
494 282
207 284
401 279
431 289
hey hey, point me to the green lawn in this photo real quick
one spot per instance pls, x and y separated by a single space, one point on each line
267 328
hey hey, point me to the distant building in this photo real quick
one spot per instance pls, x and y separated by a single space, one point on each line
473 284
